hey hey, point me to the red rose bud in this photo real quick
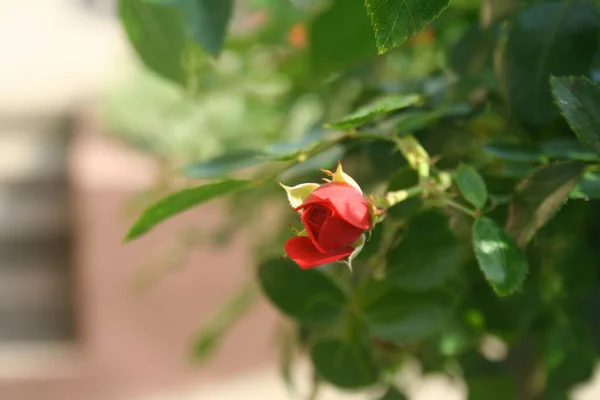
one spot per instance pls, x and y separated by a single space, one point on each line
335 215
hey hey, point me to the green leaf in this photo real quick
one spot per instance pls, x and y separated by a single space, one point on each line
473 52
397 316
502 262
158 36
552 38
225 164
346 365
514 152
427 255
306 295
393 394
395 21
182 201
588 188
494 387
207 21
539 197
579 102
471 185
378 107
340 37
568 355
568 149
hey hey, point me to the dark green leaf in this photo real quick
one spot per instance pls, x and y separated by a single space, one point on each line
393 394
182 201
225 164
306 295
493 387
473 51
539 197
502 262
552 38
378 107
471 185
157 35
568 149
569 356
207 21
395 21
427 255
514 152
579 102
341 37
397 316
346 365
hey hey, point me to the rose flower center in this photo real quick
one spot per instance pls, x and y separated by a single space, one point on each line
317 214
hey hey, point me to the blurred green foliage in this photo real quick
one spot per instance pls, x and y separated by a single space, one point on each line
466 131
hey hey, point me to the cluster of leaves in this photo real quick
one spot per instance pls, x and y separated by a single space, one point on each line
487 168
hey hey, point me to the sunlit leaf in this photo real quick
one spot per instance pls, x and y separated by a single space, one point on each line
395 21
501 261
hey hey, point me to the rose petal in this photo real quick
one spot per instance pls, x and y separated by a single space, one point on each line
349 203
302 250
336 233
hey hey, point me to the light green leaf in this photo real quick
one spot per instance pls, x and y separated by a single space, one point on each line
225 164
579 102
397 316
427 255
340 37
501 261
376 108
548 38
207 21
306 295
297 194
539 197
158 36
182 201
471 185
345 365
395 21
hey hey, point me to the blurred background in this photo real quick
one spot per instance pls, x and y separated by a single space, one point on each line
82 150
